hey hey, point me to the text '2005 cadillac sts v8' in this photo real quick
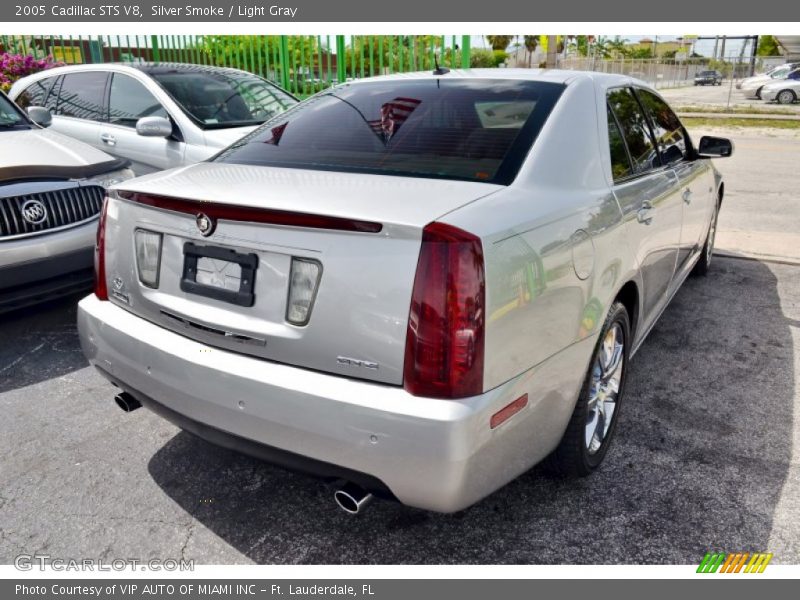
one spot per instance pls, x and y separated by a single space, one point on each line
420 285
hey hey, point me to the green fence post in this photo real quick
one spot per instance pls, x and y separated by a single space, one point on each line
465 41
284 60
154 44
341 58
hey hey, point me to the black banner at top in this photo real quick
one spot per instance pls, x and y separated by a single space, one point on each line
330 11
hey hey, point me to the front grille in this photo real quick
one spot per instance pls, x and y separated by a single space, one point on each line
63 207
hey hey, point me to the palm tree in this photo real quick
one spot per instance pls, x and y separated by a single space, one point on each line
531 42
499 42
617 46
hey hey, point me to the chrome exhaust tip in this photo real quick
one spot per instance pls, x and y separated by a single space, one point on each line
352 498
127 402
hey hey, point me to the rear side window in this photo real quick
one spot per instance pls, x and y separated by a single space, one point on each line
129 101
35 93
475 130
620 161
667 128
82 96
635 130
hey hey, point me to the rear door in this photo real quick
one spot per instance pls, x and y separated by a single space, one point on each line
128 101
80 108
695 176
649 196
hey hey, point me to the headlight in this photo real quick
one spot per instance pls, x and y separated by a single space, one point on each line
113 177
303 283
148 256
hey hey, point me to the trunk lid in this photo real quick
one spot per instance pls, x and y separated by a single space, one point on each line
358 321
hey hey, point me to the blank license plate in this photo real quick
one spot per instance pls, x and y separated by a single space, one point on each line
219 273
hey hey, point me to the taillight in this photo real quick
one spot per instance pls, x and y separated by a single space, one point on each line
100 288
445 341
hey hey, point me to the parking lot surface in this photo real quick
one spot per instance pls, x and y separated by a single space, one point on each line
720 96
706 455
705 458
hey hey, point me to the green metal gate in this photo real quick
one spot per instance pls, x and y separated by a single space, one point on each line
302 64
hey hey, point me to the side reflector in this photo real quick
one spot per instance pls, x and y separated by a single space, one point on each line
504 414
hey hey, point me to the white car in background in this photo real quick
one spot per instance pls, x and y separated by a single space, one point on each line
751 86
51 193
157 115
783 91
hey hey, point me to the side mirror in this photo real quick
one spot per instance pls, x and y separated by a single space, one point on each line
714 147
154 127
40 115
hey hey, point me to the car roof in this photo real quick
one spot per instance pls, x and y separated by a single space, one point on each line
563 76
148 68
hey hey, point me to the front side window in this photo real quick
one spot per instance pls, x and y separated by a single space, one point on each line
667 128
35 93
474 130
82 96
635 130
217 98
129 101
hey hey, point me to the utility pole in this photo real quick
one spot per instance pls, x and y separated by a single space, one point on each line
552 51
722 51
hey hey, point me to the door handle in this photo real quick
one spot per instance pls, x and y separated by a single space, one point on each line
643 214
687 196
109 139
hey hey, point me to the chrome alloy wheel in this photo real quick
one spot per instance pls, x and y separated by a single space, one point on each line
605 387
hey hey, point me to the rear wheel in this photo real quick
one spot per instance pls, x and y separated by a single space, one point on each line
786 97
702 266
594 420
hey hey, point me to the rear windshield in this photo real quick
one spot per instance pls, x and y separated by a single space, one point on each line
474 130
217 99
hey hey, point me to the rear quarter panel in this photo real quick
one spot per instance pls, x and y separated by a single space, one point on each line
554 247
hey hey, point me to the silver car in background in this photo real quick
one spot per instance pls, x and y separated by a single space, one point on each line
421 285
751 86
51 193
157 115
783 91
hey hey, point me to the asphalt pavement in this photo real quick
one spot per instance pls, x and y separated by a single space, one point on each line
705 458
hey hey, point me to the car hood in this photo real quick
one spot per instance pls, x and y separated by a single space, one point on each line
410 201
756 80
45 147
222 138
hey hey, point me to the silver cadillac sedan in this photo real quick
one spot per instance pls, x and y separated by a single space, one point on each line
418 286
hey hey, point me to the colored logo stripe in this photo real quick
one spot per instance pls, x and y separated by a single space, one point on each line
734 563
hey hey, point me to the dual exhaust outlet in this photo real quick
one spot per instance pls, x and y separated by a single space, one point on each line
351 498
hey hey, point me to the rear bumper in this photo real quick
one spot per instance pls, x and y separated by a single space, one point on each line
435 454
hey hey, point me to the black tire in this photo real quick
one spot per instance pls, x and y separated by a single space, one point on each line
572 457
758 93
704 264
